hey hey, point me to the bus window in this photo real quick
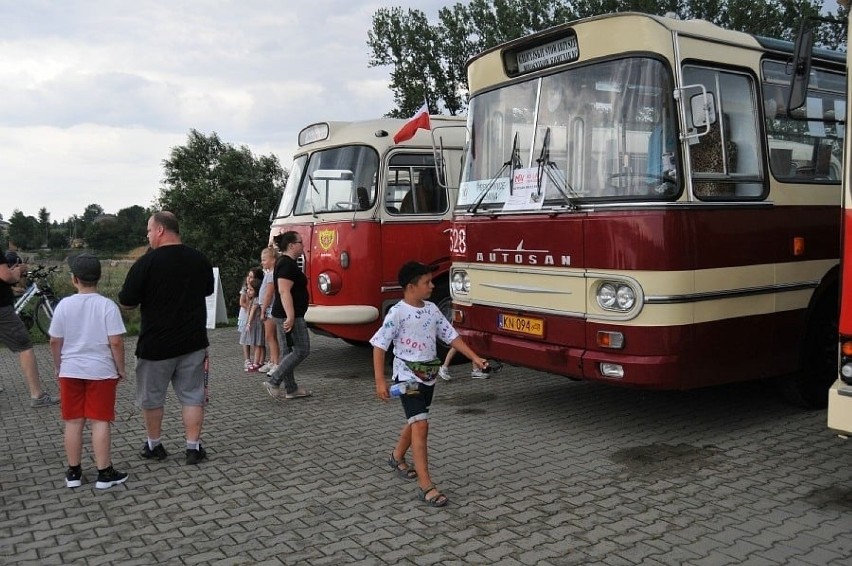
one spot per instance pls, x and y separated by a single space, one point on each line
807 144
726 160
413 187
339 179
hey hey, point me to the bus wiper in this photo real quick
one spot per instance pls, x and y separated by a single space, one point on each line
551 169
513 162
316 190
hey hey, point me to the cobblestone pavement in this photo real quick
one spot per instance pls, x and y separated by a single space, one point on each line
538 469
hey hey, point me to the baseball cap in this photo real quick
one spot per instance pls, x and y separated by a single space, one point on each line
85 267
409 272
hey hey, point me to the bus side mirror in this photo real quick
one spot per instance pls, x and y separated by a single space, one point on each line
703 107
801 68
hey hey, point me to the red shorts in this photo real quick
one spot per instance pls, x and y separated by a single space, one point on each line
87 398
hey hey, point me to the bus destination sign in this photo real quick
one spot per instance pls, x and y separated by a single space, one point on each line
556 52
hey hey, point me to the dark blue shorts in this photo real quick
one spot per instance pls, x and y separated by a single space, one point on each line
416 407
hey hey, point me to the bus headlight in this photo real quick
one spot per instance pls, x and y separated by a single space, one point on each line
461 282
614 296
328 283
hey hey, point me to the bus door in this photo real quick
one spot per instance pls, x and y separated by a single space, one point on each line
415 217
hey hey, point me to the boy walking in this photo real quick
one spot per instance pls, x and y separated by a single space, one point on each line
86 340
412 325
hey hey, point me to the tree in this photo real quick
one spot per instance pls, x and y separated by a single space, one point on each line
428 61
222 196
136 221
44 223
24 231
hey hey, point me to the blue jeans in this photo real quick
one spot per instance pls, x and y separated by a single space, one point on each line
300 350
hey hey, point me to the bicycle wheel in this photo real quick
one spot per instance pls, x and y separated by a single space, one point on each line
44 313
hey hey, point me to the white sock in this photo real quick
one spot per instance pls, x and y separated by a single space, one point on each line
153 443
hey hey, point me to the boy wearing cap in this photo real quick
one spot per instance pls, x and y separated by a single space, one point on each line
412 325
86 340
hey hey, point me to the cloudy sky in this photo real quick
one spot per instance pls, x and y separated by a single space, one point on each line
95 93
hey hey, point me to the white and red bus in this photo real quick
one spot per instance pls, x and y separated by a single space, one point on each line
638 207
365 205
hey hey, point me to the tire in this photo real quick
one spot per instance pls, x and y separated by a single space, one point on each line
809 386
357 343
44 313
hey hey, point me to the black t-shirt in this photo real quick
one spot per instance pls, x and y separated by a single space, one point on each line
7 298
170 285
287 268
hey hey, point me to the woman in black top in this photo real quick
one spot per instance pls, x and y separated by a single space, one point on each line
288 311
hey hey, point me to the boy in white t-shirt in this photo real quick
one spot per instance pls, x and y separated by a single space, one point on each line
412 325
87 343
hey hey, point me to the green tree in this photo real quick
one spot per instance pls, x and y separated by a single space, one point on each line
428 60
44 224
222 196
136 219
24 231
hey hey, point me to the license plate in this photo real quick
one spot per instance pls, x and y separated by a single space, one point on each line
521 324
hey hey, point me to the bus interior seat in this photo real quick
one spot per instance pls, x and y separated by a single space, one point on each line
363 198
706 157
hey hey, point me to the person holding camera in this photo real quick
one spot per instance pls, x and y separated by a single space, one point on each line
13 333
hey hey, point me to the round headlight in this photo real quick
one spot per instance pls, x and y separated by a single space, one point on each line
606 295
461 282
324 283
625 297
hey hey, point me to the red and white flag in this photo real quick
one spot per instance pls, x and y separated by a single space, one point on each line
419 120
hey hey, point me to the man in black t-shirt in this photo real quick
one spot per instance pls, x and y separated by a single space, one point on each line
14 335
170 284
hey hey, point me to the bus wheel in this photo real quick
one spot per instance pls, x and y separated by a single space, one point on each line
442 299
809 386
357 343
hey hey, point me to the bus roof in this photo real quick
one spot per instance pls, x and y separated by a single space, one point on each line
380 131
692 28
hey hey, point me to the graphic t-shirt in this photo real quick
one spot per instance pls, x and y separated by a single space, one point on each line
413 331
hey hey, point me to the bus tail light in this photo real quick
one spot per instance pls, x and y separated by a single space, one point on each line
614 371
846 361
614 340
329 283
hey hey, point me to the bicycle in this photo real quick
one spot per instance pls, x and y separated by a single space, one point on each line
46 300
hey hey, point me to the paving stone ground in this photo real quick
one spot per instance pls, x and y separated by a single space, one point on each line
539 470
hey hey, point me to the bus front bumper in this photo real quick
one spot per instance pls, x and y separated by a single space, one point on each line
840 408
347 314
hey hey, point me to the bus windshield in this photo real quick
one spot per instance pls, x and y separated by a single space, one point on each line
291 189
605 131
339 179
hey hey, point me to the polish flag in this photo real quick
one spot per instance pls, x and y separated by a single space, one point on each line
419 120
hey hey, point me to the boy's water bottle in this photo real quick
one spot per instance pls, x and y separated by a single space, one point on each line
404 388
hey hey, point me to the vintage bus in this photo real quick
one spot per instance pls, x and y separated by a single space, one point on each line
364 206
638 207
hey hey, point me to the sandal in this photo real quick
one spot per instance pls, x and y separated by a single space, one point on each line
437 500
405 473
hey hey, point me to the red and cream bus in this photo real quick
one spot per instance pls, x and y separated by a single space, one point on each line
365 205
637 207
